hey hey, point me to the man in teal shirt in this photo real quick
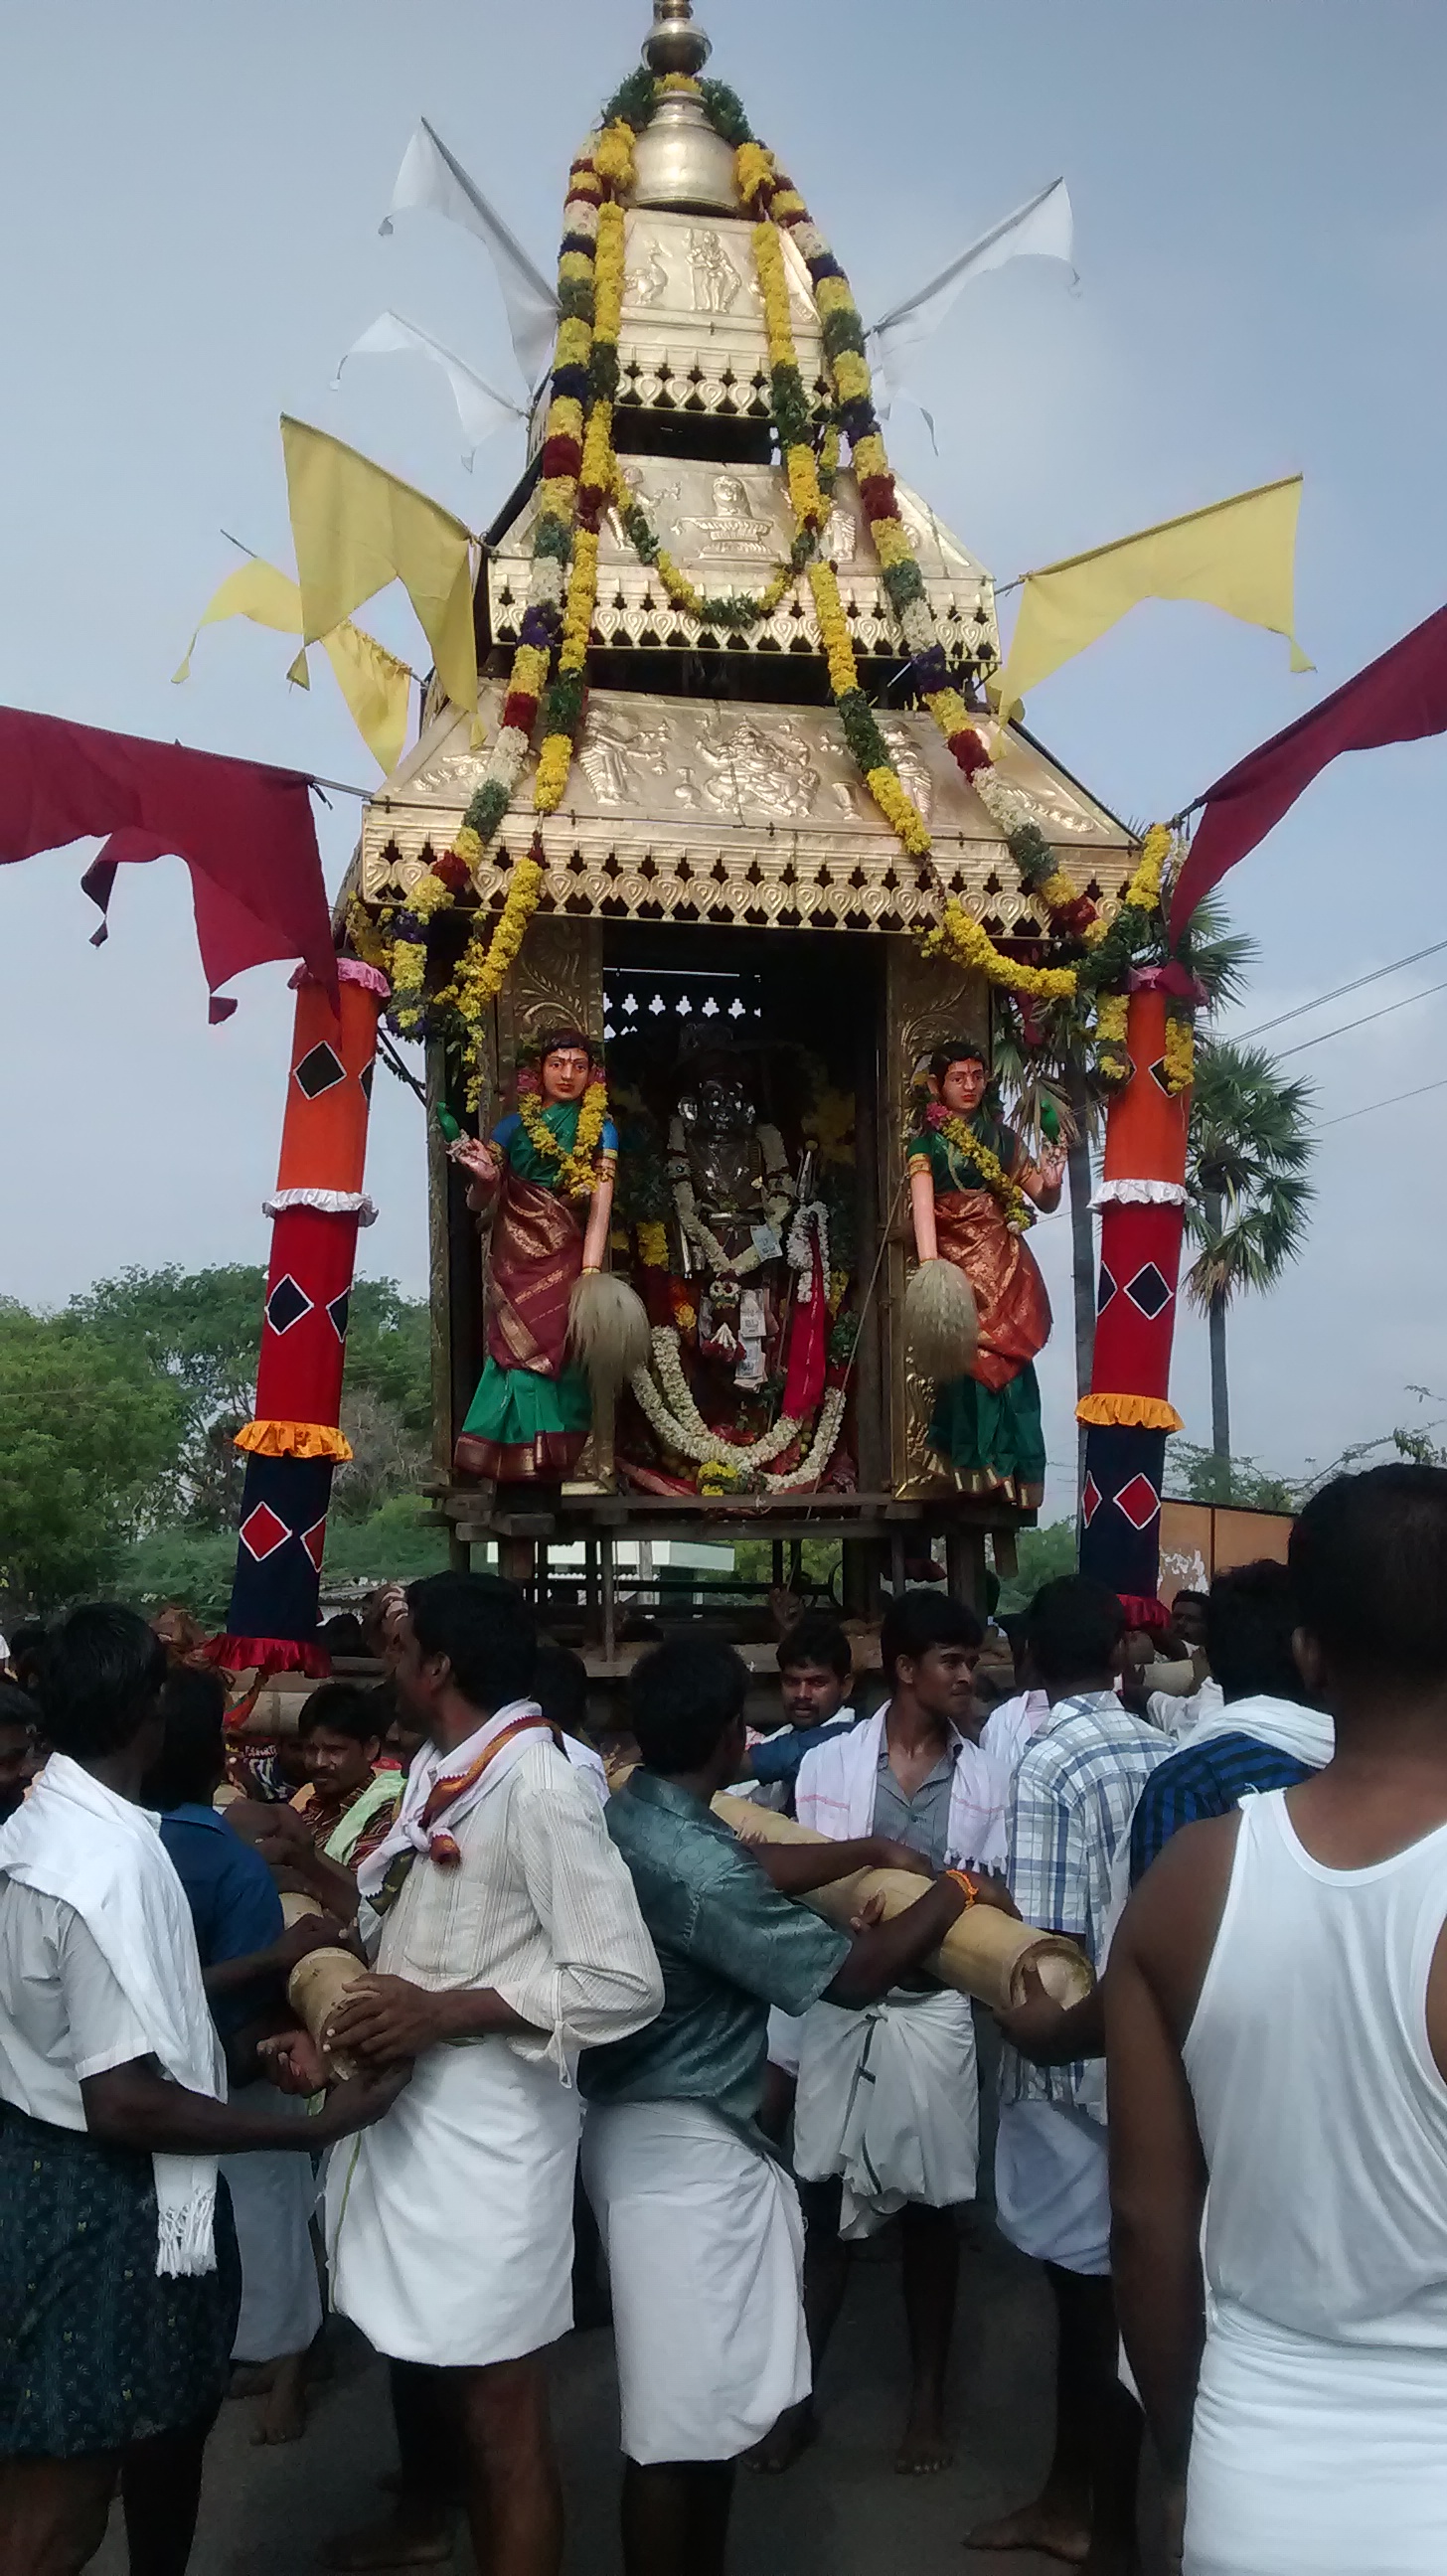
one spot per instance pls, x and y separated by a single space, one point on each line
701 2224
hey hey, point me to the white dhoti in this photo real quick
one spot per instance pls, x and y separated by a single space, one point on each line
1052 2185
273 2195
1312 2455
450 2224
705 2247
889 2099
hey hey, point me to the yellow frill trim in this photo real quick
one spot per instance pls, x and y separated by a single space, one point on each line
1130 1412
293 1440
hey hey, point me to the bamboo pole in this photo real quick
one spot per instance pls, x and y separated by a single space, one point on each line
984 1954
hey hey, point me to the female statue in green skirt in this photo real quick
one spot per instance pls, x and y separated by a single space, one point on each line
547 1174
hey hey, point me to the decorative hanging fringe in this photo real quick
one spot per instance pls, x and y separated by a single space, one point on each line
293 1440
1129 1412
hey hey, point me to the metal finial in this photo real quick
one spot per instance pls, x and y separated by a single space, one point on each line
676 44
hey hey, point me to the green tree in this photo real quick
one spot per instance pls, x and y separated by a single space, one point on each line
397 1542
201 1331
1197 1475
1042 1555
87 1428
1248 1198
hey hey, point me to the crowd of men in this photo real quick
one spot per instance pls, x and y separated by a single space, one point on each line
598 2043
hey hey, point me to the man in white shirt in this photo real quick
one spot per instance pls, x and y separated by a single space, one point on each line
887 2113
511 1940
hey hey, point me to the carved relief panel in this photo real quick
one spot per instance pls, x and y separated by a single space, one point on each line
558 978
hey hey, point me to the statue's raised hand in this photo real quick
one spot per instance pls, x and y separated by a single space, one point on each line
476 1157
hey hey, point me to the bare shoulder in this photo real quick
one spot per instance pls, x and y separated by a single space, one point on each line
1169 1928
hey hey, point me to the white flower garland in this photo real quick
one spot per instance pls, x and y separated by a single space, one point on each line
813 1215
826 1441
723 1265
1003 803
677 1420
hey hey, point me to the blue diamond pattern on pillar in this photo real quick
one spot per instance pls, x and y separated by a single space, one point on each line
1120 1537
278 1560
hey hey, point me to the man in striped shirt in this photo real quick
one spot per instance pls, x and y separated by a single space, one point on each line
1069 1822
1265 1736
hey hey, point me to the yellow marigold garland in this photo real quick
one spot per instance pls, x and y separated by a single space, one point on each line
1013 1204
1143 894
1180 1054
483 967
571 503
960 936
958 933
576 1164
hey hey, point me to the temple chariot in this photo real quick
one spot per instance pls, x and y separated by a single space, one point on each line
721 898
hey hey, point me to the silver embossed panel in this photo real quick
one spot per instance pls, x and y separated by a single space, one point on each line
705 809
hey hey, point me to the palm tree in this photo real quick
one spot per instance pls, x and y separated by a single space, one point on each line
1247 1194
1058 1070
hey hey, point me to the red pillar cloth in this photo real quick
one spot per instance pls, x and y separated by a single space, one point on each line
315 1211
329 1093
1140 1258
295 1438
304 1328
1127 1412
1145 1126
244 831
1401 697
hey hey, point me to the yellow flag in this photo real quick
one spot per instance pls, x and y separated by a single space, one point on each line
372 680
375 685
356 528
255 590
1239 555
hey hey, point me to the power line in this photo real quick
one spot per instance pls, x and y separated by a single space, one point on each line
1364 1022
1394 1103
1340 991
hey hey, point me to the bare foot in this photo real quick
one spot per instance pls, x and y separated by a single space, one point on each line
400 2541
925 2448
1052 2529
253 2378
796 2428
283 2411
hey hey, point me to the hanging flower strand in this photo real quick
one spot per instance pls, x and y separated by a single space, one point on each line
778 205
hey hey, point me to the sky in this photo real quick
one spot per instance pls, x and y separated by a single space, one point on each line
1261 212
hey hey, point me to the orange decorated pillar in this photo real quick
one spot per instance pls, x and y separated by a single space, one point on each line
1142 1201
295 1440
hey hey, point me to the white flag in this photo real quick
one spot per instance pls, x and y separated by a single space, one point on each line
480 410
1043 229
430 177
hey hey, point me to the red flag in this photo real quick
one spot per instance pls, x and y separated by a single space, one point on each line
245 832
1400 698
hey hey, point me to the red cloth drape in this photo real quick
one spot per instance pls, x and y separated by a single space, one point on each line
1401 697
245 832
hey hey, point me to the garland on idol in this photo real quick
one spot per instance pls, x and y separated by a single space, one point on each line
970 1147
664 1397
